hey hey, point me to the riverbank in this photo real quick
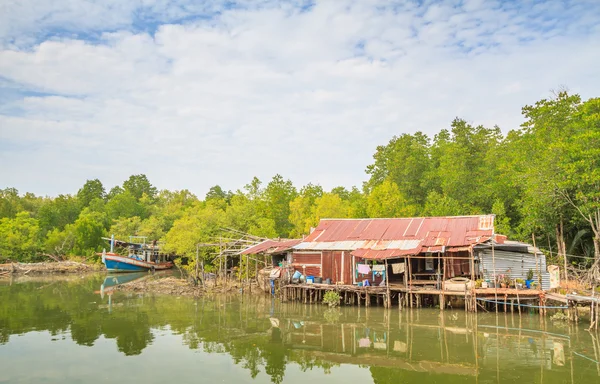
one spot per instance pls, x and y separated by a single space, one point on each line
59 267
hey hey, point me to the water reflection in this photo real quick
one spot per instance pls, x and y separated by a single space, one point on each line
272 341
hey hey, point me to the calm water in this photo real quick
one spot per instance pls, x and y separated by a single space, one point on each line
65 331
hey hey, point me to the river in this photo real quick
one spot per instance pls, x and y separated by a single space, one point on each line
69 330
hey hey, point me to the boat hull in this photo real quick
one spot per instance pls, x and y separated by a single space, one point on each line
115 263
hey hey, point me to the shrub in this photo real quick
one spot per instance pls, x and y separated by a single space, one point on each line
331 298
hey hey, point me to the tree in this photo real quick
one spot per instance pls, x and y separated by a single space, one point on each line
9 202
92 189
137 185
405 160
386 200
88 230
441 205
579 179
301 209
200 223
58 212
21 237
124 227
124 205
216 192
278 195
330 206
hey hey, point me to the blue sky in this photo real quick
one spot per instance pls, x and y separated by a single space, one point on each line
195 94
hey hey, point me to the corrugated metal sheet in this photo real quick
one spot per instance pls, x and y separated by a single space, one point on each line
306 258
271 247
406 236
514 264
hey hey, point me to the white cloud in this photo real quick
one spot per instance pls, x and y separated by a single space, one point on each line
259 90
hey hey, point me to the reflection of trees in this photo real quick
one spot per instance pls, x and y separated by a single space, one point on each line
132 331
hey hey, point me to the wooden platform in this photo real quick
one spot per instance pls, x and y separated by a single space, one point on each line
412 296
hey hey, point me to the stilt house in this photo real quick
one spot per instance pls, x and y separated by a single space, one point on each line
406 251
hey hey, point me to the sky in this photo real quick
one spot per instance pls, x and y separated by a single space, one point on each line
199 93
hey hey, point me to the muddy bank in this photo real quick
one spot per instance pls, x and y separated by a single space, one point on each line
47 268
175 286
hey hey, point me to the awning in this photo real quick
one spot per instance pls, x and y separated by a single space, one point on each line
380 254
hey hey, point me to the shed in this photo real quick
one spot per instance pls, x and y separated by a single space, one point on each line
514 259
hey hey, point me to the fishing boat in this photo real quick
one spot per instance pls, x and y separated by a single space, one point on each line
141 256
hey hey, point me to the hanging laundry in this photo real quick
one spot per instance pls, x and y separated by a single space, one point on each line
398 268
363 269
379 268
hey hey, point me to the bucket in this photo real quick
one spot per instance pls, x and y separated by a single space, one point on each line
318 280
327 281
310 279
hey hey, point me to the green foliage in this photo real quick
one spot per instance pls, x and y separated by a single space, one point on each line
138 185
331 298
92 189
10 202
124 205
278 195
20 237
58 212
386 200
437 204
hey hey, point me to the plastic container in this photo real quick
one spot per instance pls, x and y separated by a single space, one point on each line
296 275
318 280
310 279
328 281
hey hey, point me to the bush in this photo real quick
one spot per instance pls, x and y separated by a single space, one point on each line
331 298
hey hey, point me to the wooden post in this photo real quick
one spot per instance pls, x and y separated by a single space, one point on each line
387 286
537 266
197 252
495 274
409 282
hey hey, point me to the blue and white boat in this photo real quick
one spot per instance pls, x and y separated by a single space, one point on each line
141 257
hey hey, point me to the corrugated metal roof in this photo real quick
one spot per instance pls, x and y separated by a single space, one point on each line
271 247
402 235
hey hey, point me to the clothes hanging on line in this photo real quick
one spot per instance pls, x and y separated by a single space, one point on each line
363 269
398 268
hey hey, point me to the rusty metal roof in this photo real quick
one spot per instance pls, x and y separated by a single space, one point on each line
271 247
389 238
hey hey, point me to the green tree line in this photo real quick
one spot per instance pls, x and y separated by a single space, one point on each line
542 178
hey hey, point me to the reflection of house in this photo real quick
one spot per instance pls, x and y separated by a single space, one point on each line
417 251
378 346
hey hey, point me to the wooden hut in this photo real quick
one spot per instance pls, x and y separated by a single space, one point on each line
403 251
